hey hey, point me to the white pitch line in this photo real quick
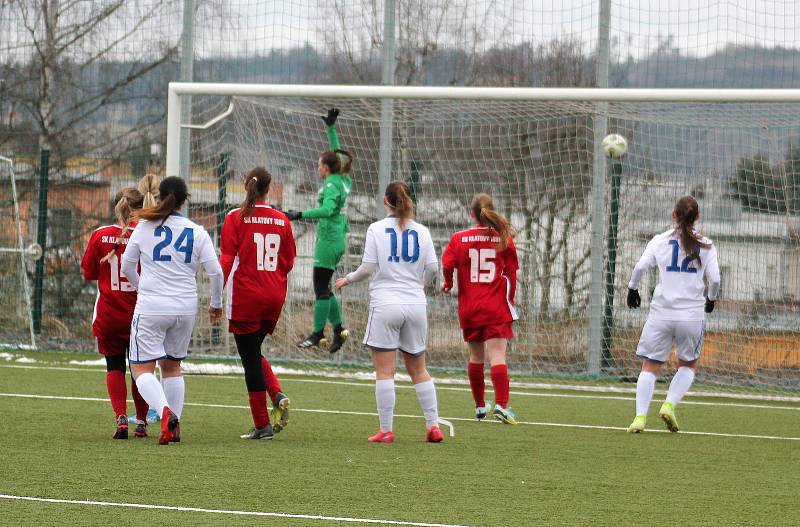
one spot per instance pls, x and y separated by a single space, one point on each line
446 387
227 511
373 414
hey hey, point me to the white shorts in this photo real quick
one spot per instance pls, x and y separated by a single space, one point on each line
156 337
403 327
658 336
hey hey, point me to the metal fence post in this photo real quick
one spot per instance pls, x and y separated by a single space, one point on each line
41 239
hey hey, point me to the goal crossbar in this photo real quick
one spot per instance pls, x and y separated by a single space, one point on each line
178 89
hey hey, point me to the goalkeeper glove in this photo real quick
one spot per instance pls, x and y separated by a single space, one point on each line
293 215
634 300
710 305
330 119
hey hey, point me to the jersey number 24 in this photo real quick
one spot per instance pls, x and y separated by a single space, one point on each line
184 244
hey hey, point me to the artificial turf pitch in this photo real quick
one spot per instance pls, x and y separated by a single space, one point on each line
487 475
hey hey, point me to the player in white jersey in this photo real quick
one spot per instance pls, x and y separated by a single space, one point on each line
686 261
399 253
169 248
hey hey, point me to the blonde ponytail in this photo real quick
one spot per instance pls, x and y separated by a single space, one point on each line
148 186
398 195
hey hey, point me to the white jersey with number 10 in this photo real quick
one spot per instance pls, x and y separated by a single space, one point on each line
401 256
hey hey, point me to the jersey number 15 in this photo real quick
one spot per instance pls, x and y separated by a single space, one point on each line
481 266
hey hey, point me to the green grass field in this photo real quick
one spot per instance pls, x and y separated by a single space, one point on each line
487 475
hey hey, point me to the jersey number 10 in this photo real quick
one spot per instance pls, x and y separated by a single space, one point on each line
481 266
410 249
267 247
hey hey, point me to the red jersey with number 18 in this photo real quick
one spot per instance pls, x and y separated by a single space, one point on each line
116 297
257 253
487 281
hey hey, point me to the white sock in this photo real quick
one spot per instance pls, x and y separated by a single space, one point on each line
426 393
152 392
680 384
174 390
384 396
645 387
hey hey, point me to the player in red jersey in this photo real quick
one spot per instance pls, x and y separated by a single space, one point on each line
257 253
116 299
486 260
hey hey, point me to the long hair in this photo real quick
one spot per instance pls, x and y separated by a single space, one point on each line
332 161
172 194
482 208
686 213
126 202
347 162
256 187
398 196
148 186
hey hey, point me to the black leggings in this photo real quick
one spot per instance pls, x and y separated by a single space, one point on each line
115 363
249 348
322 283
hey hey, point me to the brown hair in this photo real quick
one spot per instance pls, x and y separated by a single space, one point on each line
346 160
686 213
331 160
148 186
256 186
172 194
126 201
482 208
398 196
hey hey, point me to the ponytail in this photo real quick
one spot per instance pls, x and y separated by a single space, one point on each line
172 194
398 196
256 187
126 201
346 160
482 209
148 186
686 213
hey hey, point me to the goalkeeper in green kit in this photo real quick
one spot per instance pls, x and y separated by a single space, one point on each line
334 166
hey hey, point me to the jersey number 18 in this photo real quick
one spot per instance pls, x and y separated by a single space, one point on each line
267 247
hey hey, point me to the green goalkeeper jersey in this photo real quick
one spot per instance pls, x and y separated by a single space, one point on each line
331 210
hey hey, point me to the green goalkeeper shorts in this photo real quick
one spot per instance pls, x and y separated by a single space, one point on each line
327 253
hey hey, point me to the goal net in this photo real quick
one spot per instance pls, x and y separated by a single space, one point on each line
541 162
16 325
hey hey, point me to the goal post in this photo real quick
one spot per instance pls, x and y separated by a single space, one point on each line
537 152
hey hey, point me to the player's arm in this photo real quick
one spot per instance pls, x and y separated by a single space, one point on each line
130 259
229 246
369 262
90 263
330 123
647 260
713 278
510 268
290 248
449 264
431 270
330 199
208 258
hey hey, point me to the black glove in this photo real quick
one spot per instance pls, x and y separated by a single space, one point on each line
710 305
293 215
634 300
330 119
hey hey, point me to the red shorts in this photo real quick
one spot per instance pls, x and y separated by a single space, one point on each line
239 327
484 333
111 347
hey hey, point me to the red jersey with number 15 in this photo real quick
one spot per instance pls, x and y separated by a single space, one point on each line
487 280
257 253
116 297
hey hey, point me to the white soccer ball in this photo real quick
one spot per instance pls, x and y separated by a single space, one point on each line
615 146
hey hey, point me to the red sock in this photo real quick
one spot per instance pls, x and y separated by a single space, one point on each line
499 373
477 382
117 391
273 385
139 402
258 407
